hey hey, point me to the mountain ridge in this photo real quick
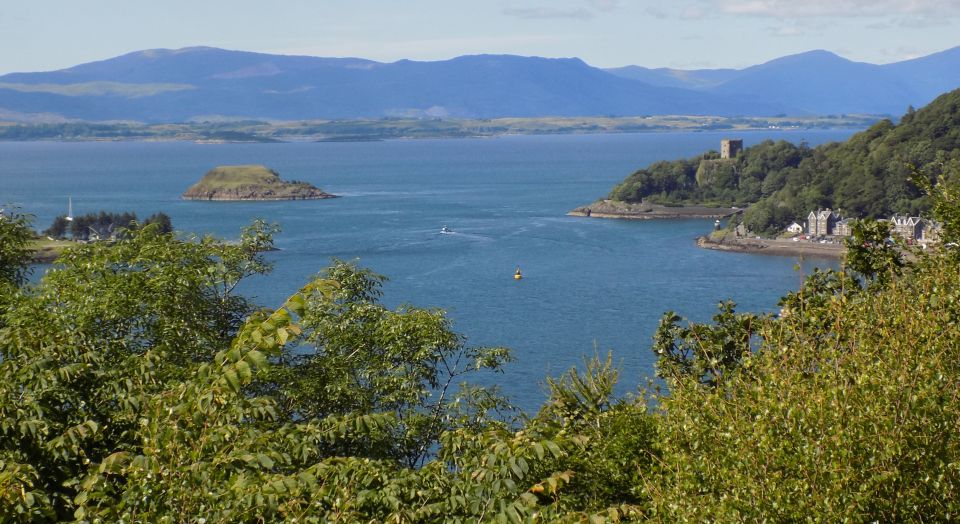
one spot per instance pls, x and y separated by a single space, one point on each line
821 81
176 85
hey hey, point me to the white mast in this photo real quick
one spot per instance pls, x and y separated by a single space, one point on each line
69 209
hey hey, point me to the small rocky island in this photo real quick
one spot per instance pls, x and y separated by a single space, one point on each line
250 182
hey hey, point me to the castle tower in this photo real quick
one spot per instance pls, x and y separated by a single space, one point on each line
729 148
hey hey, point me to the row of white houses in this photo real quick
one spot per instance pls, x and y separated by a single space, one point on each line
827 222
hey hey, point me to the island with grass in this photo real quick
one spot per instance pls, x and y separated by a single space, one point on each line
250 182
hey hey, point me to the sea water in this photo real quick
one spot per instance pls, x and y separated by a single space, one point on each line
589 286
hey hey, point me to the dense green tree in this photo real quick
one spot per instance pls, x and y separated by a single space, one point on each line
704 352
107 316
58 228
103 225
873 252
15 233
364 358
162 220
846 411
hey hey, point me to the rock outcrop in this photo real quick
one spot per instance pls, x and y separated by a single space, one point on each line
250 182
644 211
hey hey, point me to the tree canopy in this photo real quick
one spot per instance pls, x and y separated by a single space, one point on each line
103 225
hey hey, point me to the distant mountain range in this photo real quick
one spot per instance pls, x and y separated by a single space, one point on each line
820 82
203 83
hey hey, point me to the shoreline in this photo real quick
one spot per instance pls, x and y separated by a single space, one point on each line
256 199
642 211
364 130
786 248
46 254
45 250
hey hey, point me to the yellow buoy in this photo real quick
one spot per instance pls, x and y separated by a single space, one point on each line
518 275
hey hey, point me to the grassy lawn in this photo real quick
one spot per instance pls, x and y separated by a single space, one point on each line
46 250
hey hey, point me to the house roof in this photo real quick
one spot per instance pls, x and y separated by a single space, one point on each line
902 220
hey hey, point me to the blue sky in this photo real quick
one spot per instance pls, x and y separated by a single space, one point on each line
40 35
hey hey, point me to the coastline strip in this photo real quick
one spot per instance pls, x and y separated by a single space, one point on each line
786 248
645 211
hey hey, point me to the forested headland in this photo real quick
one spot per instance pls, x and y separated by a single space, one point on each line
136 385
865 177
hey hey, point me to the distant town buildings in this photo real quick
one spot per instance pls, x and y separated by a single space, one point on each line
822 222
909 228
931 233
916 229
827 222
729 148
843 227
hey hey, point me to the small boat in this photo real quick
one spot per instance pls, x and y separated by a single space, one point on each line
445 229
518 275
69 216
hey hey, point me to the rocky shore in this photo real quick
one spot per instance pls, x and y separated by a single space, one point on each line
45 255
45 251
779 247
256 193
644 211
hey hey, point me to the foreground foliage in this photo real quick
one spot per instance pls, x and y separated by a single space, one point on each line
15 232
136 386
847 410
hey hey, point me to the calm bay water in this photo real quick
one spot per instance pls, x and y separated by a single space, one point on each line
589 285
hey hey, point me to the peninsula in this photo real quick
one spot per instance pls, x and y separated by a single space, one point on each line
800 199
250 182
606 208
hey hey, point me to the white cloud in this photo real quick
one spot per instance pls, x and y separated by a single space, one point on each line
695 64
656 13
605 5
851 8
425 49
692 12
786 31
902 53
546 13
921 22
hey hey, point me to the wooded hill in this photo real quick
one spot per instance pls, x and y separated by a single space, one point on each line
866 177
